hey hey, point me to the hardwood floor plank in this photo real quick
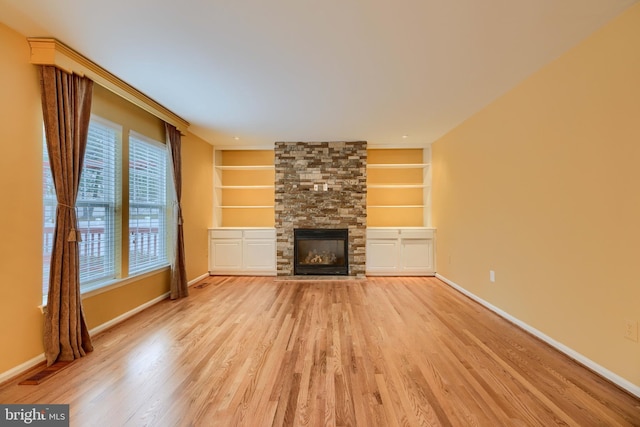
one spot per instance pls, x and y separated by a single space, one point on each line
255 351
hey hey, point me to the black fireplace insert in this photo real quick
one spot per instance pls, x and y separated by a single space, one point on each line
321 251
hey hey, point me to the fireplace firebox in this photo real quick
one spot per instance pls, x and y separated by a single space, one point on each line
321 251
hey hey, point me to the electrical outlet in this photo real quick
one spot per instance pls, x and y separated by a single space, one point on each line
631 330
315 187
325 187
492 276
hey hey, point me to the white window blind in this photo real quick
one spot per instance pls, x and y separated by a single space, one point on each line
147 204
95 207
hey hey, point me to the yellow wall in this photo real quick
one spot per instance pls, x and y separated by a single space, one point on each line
21 194
247 157
543 186
197 202
112 107
108 305
21 173
116 109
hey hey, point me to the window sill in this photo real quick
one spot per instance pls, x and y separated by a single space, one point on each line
99 288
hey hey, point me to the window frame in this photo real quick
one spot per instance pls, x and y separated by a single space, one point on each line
121 214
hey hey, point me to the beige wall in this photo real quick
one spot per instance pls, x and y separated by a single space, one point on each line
106 306
197 202
21 173
21 194
543 186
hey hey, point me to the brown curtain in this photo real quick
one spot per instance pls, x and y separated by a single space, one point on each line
179 286
66 105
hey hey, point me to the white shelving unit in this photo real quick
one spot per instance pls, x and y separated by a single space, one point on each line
219 206
241 193
400 241
425 186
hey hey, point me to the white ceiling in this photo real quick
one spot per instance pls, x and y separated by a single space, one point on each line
310 70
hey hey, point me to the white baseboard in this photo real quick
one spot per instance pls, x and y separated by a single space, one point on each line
24 367
14 372
197 279
600 370
138 309
128 314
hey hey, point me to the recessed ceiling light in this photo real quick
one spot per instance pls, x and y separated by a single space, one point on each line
405 136
237 138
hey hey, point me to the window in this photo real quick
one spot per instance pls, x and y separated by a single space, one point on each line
147 204
95 207
102 224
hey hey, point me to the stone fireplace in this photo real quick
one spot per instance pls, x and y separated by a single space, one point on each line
321 251
321 185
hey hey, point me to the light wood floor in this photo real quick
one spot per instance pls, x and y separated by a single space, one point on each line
378 352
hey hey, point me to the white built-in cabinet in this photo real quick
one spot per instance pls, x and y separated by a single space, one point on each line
242 251
400 241
402 251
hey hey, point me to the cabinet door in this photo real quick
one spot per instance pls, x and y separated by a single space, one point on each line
416 256
382 256
225 255
260 255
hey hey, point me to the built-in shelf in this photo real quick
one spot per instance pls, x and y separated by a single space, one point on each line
399 187
243 177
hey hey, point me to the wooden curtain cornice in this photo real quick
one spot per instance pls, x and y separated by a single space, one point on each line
49 51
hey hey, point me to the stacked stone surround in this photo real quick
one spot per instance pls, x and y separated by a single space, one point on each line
342 166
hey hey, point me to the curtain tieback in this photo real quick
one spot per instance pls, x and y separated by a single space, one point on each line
74 235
